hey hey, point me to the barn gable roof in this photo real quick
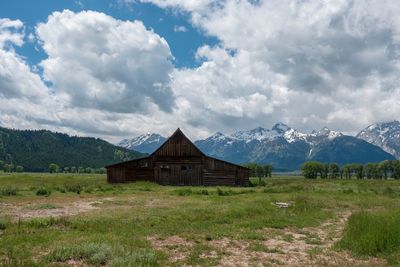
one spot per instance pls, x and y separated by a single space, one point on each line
178 137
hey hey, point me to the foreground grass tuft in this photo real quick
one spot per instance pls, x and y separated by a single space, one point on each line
371 234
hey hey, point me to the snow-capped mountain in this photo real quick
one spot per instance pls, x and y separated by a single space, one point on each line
146 143
287 148
284 147
386 135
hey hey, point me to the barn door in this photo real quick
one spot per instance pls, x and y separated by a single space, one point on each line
165 175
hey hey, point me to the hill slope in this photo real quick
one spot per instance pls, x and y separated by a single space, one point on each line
35 150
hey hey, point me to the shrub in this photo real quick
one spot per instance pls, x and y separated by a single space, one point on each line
19 169
262 183
2 225
8 191
221 192
183 192
43 191
76 188
372 234
204 192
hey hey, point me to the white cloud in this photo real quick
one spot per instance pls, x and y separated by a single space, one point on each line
10 32
310 63
180 28
103 63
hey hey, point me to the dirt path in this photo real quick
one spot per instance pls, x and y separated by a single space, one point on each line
25 211
310 246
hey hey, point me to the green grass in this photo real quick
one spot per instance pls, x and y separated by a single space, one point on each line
372 233
116 231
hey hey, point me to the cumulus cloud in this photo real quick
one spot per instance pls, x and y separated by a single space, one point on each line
16 78
103 63
308 63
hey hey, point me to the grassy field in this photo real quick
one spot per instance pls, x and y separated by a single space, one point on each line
80 220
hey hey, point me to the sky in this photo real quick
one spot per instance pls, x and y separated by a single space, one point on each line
115 69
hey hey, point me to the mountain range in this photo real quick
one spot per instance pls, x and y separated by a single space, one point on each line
287 149
35 150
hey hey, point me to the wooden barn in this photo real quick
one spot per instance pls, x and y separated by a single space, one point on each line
179 162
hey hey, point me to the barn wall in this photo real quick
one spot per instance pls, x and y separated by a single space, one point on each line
218 172
116 175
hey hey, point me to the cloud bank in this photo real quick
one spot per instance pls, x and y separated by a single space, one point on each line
306 63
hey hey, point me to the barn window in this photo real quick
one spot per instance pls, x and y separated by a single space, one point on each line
186 167
143 164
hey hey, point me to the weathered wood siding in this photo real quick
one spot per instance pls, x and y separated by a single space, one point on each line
178 145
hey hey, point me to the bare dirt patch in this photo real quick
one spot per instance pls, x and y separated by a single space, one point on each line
177 247
310 246
23 211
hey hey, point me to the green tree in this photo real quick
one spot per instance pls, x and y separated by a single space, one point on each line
19 168
384 168
311 169
9 167
267 170
66 169
73 169
358 170
88 170
347 171
334 170
53 168
253 169
369 170
1 165
324 170
395 169
81 169
259 173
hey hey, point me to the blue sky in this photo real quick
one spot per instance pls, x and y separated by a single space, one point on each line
164 22
119 68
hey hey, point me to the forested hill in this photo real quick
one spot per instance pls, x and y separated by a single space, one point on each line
35 150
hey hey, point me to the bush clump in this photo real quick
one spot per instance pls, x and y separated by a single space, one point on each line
8 191
75 188
43 191
371 234
2 225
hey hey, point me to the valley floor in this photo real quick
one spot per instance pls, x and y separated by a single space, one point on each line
86 222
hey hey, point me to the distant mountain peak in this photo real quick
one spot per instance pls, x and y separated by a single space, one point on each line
386 135
280 127
146 143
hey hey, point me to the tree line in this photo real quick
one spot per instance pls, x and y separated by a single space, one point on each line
381 170
54 168
10 167
260 171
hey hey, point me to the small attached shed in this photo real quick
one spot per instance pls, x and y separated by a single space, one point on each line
179 162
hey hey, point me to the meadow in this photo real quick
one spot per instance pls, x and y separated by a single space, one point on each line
80 220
